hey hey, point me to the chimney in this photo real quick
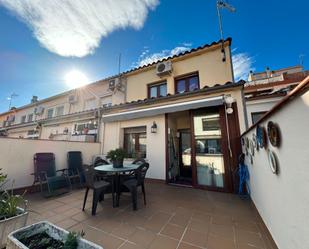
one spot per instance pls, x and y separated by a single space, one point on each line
34 99
268 72
250 77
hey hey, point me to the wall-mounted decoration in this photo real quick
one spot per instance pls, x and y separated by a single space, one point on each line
261 137
251 146
255 143
273 133
247 143
273 162
242 141
251 159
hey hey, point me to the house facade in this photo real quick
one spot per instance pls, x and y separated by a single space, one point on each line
264 89
179 121
184 114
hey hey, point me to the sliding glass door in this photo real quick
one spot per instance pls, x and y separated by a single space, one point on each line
208 150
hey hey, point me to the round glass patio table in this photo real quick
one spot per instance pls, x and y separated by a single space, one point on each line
116 172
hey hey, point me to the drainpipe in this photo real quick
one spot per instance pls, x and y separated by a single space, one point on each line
231 62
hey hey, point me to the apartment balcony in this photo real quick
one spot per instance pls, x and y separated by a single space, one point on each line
174 217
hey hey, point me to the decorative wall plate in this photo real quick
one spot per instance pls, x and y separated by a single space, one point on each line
254 140
273 161
247 142
242 141
251 146
261 137
273 133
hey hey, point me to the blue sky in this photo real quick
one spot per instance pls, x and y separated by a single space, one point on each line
41 43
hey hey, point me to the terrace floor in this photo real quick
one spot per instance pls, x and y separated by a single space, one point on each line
174 217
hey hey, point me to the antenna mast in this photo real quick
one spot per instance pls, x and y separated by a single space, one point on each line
221 5
13 95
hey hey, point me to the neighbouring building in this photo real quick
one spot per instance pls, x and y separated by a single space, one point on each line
184 114
264 89
73 115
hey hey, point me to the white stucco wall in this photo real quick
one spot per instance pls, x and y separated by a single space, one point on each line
16 156
262 105
283 200
155 142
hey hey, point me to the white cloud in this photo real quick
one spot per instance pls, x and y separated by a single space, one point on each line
242 64
146 58
75 27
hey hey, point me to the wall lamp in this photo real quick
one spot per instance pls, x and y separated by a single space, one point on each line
154 127
229 100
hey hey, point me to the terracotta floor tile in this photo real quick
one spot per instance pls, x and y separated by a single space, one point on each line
180 220
107 225
200 226
173 231
128 245
249 238
199 218
223 231
162 242
215 242
184 245
154 225
195 238
110 242
222 220
124 230
142 237
67 223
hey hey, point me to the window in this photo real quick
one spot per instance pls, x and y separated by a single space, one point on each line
106 101
135 142
255 116
85 127
211 123
187 83
30 117
23 119
59 110
90 104
50 113
157 90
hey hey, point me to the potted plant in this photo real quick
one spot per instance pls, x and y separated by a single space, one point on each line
12 216
46 235
117 156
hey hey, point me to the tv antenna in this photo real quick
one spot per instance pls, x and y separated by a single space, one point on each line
230 8
13 95
301 59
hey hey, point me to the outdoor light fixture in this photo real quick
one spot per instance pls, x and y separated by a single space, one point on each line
154 127
229 100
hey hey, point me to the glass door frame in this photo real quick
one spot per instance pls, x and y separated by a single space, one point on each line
225 151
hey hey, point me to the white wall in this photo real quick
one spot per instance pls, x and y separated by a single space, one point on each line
16 156
155 142
263 105
283 200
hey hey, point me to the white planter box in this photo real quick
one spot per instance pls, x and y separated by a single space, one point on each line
52 230
11 224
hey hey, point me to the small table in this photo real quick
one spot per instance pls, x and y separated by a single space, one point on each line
108 168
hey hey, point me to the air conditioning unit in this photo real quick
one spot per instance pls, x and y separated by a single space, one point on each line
164 68
72 99
107 105
115 84
39 110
